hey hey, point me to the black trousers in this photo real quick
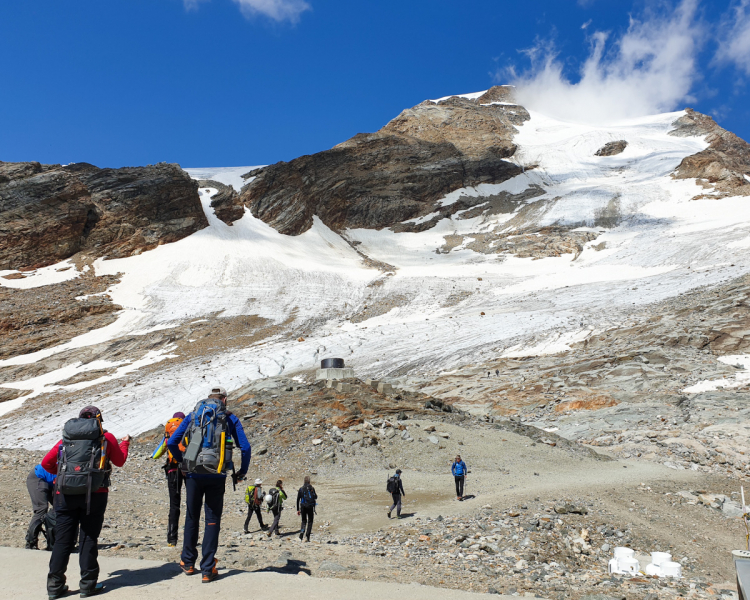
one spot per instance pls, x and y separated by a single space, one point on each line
396 504
308 516
41 497
207 493
71 513
253 509
460 485
175 480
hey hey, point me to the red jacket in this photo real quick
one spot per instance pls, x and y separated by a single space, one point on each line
117 455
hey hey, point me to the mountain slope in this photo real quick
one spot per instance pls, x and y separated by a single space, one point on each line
532 244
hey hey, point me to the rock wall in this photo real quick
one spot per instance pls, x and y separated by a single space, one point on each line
724 166
398 173
49 212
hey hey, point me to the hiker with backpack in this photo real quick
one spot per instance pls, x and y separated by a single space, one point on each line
210 432
175 478
40 484
82 462
275 504
306 501
254 499
395 488
459 471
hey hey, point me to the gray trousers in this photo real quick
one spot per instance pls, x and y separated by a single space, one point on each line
41 497
275 525
396 504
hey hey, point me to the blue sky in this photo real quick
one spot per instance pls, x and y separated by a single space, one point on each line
242 82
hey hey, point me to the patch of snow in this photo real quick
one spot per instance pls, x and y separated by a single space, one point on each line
57 273
740 379
472 96
226 175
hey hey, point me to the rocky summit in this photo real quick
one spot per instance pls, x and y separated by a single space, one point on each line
566 305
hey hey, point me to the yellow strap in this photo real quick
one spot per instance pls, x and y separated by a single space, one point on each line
221 456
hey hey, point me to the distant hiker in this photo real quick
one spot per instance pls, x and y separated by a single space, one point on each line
82 462
175 478
497 372
488 374
254 499
306 501
459 470
395 488
40 486
275 504
210 430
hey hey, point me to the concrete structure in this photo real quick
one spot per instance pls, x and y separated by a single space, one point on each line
372 382
334 374
344 387
385 388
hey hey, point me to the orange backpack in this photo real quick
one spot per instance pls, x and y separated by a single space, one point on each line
169 429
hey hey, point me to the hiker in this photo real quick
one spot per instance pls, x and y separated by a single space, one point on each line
497 372
459 470
276 505
80 497
210 432
254 498
175 478
395 488
40 486
306 501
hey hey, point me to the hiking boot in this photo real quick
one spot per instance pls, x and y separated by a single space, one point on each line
171 545
301 535
245 531
98 589
60 594
389 514
187 569
264 527
213 574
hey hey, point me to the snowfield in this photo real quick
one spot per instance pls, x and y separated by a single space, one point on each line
663 244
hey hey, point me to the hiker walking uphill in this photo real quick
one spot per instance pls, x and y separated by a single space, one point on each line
175 478
395 488
275 502
254 499
82 462
306 501
210 430
40 486
459 471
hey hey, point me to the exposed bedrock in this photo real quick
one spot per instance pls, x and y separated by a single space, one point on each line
398 173
49 212
724 166
226 201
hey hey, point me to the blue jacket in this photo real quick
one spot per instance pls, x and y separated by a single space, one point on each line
236 432
44 475
459 469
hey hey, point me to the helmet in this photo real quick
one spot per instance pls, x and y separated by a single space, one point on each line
268 498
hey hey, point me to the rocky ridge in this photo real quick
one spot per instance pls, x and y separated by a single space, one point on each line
396 174
49 213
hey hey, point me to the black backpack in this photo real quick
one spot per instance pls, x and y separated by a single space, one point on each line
82 462
274 503
308 496
392 485
48 528
209 445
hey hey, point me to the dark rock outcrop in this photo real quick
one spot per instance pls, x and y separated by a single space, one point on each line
226 202
398 173
724 166
612 148
49 213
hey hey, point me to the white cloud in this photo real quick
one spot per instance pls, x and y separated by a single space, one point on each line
734 42
278 10
649 69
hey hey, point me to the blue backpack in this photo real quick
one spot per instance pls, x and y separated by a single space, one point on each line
209 448
308 496
459 468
